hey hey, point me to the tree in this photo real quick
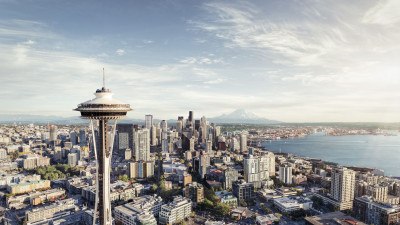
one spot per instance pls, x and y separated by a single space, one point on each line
206 204
125 178
222 210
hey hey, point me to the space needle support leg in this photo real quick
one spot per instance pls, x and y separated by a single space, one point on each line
112 147
97 173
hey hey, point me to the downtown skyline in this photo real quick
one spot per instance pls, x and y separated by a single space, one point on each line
290 61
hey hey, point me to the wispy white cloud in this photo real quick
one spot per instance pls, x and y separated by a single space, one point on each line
385 12
29 42
201 60
148 41
120 51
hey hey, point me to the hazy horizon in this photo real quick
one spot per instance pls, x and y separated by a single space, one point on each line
291 61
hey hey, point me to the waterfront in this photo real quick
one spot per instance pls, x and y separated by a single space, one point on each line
382 152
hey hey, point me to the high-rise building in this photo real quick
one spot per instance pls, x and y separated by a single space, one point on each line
271 163
53 133
243 191
125 136
203 164
371 212
73 159
285 174
251 169
234 144
342 186
230 175
179 125
195 192
141 169
209 147
256 169
164 125
191 144
82 138
378 192
103 108
197 125
153 136
148 121
204 128
73 138
191 117
141 144
167 141
243 142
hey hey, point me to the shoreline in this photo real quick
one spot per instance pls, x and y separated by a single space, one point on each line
335 163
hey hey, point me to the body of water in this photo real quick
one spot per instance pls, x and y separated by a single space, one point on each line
382 152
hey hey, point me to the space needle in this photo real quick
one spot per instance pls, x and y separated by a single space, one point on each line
103 108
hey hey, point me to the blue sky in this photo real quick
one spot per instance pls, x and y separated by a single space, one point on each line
294 61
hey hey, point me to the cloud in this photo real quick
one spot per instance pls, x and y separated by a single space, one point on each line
29 42
202 60
148 41
383 13
120 51
216 81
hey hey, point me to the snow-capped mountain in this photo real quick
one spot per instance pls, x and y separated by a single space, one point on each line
242 116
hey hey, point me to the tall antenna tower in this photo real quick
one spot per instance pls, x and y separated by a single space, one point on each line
102 109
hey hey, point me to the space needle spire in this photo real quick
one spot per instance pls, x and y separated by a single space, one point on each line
103 108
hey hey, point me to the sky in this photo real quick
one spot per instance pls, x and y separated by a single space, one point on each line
292 61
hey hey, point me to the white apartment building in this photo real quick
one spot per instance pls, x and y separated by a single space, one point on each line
180 208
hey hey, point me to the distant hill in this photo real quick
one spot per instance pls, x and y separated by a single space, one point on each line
239 116
242 116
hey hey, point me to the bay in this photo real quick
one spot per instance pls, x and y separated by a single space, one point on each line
373 151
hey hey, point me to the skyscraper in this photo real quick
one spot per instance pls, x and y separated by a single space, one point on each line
53 133
164 125
204 163
204 128
142 145
243 142
342 186
125 136
82 138
285 174
148 121
190 119
103 108
73 138
179 126
153 135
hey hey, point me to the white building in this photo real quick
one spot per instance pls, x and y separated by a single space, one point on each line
148 121
142 209
179 209
285 174
141 142
291 204
342 185
72 159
